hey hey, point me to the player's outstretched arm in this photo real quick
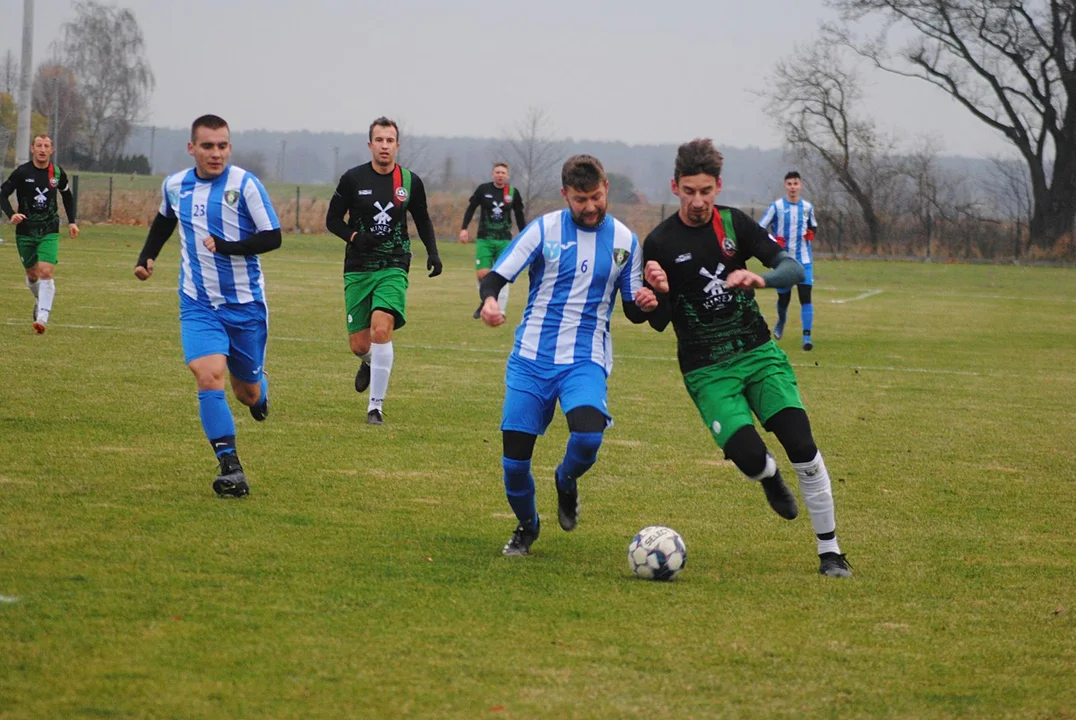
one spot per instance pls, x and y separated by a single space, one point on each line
786 272
6 189
488 290
159 232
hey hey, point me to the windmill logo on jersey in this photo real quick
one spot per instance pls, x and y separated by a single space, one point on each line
498 210
41 198
717 295
382 220
231 197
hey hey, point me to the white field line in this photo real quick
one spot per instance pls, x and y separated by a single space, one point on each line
861 296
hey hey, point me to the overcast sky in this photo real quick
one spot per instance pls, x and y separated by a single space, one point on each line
638 71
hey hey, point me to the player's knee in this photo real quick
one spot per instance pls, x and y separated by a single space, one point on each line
747 451
586 419
793 430
247 393
31 274
586 445
482 274
359 345
518 445
44 272
208 377
805 294
381 325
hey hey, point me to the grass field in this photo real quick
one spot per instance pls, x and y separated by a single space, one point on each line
363 576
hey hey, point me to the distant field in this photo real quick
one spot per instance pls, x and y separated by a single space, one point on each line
363 577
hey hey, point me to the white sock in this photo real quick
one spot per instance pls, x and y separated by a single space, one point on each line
46 293
365 357
768 470
502 300
380 370
33 286
818 497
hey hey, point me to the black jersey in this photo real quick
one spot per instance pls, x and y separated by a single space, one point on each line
35 191
495 222
376 207
712 322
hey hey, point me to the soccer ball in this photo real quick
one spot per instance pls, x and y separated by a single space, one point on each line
657 553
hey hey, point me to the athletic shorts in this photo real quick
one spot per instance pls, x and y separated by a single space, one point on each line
760 381
38 248
486 252
239 331
384 290
808 278
533 390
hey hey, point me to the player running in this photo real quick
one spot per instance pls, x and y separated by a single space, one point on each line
498 200
579 259
792 222
376 197
225 221
696 262
37 222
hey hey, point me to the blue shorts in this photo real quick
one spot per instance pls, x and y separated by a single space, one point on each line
532 391
238 331
808 278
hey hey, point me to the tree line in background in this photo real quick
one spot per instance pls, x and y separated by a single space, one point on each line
91 91
1011 65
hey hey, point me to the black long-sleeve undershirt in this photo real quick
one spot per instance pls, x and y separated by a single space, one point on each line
162 228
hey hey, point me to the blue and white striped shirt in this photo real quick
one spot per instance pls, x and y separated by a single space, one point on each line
575 273
791 221
232 207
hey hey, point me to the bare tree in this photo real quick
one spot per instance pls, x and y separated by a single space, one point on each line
1010 187
814 99
103 46
9 74
533 155
56 96
1011 64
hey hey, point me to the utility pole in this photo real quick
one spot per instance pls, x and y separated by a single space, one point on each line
22 138
152 140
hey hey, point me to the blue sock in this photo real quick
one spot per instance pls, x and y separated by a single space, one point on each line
265 390
782 312
581 453
217 420
519 487
807 317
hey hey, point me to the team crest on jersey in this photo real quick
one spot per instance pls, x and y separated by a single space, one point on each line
53 182
401 194
551 249
173 198
728 246
231 197
620 256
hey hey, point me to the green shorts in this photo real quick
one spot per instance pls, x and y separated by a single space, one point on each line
38 248
486 252
759 381
365 292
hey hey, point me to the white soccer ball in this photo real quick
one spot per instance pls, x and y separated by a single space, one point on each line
657 553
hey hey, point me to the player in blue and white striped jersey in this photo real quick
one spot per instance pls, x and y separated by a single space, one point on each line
225 220
579 258
792 222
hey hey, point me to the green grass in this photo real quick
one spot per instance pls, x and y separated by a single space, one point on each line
363 576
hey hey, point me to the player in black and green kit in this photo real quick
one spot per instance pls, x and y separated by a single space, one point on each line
375 198
37 222
498 200
696 263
